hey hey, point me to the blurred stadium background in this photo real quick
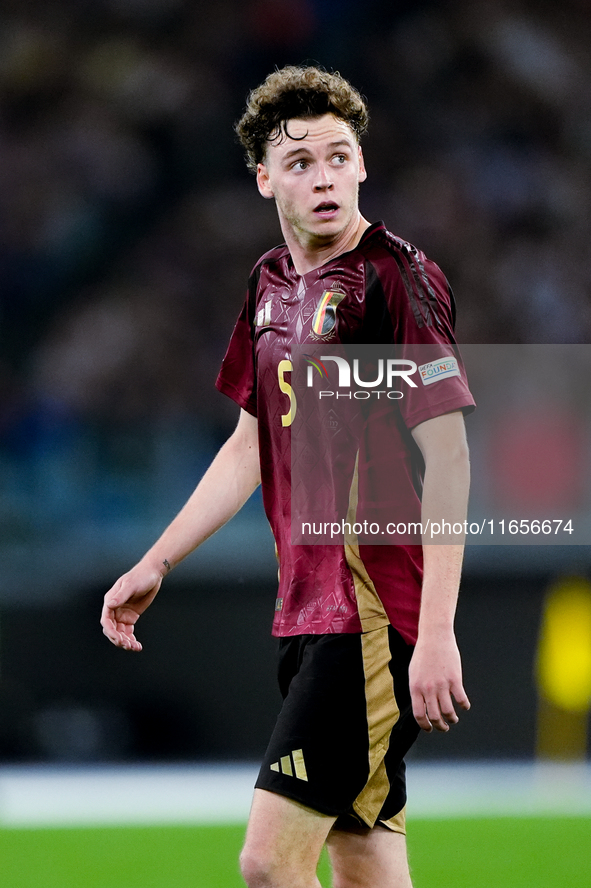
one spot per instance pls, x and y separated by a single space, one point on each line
128 226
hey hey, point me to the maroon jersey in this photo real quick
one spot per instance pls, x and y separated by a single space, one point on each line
385 291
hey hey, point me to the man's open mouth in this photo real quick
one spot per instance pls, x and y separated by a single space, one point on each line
326 208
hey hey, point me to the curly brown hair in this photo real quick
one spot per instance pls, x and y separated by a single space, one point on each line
296 91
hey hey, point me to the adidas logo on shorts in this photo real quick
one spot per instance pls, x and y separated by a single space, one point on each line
292 765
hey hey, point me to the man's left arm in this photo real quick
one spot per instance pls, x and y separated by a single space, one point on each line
435 668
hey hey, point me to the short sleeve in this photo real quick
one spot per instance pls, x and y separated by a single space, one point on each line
237 377
422 313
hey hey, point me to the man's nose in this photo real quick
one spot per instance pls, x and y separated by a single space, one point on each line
323 181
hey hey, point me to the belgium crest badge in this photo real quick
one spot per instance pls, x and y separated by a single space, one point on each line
325 316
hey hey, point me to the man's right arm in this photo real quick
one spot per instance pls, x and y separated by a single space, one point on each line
229 481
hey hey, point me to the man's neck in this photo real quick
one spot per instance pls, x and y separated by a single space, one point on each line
308 256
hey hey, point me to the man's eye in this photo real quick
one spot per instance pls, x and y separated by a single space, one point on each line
300 165
340 158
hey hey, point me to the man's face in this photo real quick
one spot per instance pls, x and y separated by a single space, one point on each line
314 177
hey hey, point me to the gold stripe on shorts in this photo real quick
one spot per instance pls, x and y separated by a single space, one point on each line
382 715
397 823
382 709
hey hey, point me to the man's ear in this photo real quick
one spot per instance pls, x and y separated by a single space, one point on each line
263 182
362 170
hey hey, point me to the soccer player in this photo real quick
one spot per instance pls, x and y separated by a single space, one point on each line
368 655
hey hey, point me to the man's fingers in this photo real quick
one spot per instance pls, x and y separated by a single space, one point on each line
110 629
437 710
435 716
461 697
118 627
122 636
447 708
129 641
125 601
112 596
108 623
419 709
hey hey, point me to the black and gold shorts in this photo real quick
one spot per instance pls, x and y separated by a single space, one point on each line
344 728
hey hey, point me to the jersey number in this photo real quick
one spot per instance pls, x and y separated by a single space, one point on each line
282 368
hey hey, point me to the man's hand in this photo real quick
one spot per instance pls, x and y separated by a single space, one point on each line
125 601
223 490
435 675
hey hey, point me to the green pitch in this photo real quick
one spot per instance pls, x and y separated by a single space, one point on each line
514 853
